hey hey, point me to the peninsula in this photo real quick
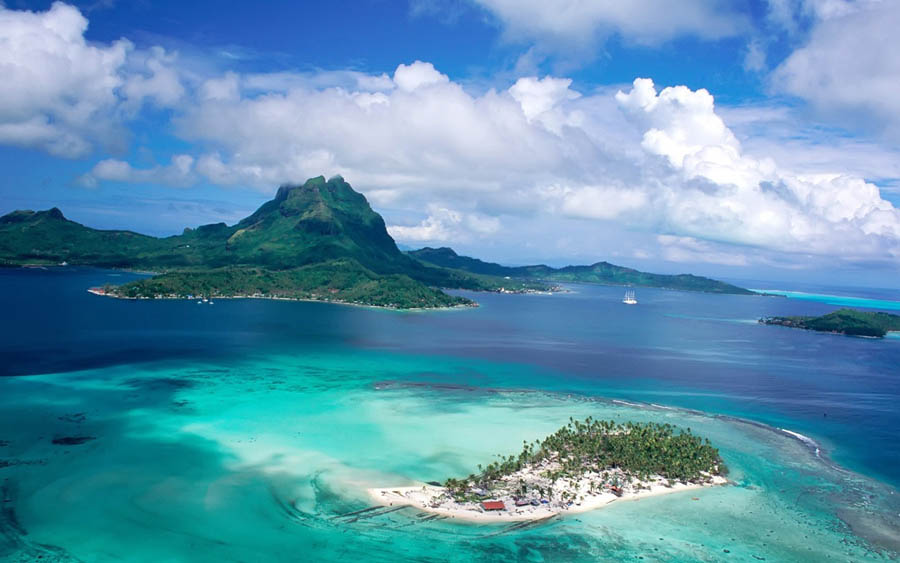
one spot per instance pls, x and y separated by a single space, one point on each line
319 240
584 465
602 273
843 321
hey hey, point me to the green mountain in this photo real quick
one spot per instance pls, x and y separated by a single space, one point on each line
319 240
599 273
843 321
304 224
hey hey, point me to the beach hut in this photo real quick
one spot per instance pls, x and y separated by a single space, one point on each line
493 505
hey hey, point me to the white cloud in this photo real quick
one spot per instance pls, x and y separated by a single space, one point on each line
61 94
179 172
691 250
755 57
347 79
598 202
417 75
791 14
847 69
805 147
55 85
426 134
655 161
152 75
446 225
540 96
546 158
718 193
563 25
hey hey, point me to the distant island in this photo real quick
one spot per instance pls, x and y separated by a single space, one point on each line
843 321
584 465
316 241
602 273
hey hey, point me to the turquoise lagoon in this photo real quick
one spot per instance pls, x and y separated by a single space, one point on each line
839 300
250 430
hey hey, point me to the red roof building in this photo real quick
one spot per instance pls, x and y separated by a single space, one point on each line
493 505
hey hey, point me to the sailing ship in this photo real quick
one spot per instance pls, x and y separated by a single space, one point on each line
629 298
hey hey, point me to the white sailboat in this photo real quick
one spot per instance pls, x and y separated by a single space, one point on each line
629 298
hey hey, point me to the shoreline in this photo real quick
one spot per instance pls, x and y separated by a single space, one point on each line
428 499
99 292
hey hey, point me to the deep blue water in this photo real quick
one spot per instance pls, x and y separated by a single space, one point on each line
699 351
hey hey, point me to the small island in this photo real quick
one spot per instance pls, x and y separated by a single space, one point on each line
336 281
584 465
843 321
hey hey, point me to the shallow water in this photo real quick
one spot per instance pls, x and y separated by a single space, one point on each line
840 300
243 431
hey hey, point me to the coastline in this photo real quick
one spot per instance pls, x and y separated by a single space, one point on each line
428 498
99 292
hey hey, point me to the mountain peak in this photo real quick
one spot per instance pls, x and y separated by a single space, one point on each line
334 185
23 215
313 221
53 213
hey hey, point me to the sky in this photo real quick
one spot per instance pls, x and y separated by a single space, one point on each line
746 139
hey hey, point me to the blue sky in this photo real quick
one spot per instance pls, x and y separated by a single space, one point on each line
760 139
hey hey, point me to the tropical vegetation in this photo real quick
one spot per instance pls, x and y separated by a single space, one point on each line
342 281
843 321
637 451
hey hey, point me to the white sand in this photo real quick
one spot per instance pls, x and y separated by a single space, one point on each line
434 499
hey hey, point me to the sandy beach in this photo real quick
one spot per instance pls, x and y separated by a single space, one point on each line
434 499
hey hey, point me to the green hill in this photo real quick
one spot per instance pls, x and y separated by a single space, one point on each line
843 321
47 237
599 273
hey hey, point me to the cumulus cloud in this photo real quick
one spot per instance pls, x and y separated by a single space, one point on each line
56 89
718 193
806 147
846 69
152 76
446 225
179 172
411 77
426 133
61 94
539 154
655 161
539 97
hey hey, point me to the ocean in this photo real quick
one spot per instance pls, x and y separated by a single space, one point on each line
249 430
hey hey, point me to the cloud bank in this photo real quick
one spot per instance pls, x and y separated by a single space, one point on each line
63 95
847 68
449 164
